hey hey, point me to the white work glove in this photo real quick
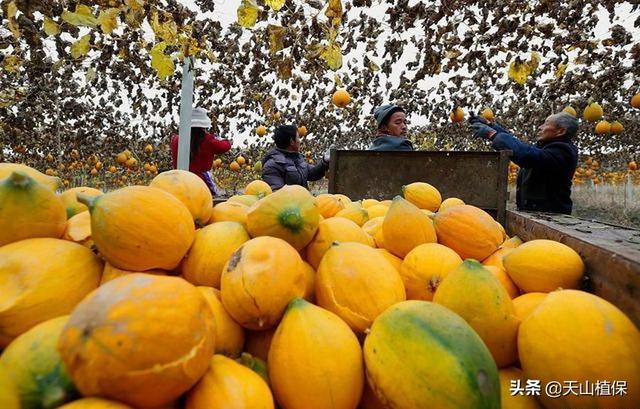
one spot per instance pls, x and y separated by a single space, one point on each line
327 155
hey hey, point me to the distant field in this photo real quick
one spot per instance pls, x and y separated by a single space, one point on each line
615 204
612 204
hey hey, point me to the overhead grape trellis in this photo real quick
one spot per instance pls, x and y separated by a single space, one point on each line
101 76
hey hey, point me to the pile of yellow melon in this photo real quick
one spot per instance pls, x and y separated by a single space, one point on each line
150 297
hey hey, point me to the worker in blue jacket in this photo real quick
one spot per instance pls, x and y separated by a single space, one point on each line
546 168
391 121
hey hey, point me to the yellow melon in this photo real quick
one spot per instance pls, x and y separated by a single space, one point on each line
468 230
495 259
310 282
505 280
593 112
420 355
42 279
526 303
140 339
111 273
50 182
344 199
258 188
354 212
289 214
34 364
335 229
423 195
309 334
190 190
429 213
28 210
260 279
378 210
367 203
140 228
230 212
229 335
503 231
211 249
228 384
543 266
247 200
94 403
424 268
357 283
576 336
395 261
450 202
78 229
476 295
513 242
9 398
256 364
372 226
70 200
328 205
405 227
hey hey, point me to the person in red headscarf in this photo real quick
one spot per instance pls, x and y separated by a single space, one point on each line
204 148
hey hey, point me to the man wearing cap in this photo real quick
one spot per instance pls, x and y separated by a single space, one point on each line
204 147
285 165
546 168
392 129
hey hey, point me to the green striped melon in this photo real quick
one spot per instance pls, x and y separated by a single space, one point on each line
8 392
420 355
36 368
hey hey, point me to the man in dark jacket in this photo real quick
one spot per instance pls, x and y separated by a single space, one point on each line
546 169
392 129
285 165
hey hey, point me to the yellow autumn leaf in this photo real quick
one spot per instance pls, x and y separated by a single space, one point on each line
332 54
135 5
276 38
12 10
82 17
135 12
162 63
285 68
91 74
520 70
12 64
190 47
81 47
166 31
334 12
108 20
275 5
560 70
248 13
51 28
9 97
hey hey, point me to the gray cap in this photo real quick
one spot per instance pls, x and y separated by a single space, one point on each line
383 112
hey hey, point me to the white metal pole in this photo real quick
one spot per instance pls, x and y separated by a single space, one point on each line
186 106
